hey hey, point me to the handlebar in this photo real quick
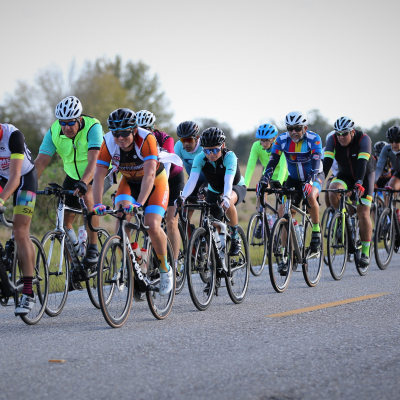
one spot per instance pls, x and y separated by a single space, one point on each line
3 219
201 204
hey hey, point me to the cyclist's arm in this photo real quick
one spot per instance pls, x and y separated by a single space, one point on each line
89 171
101 171
190 184
380 165
251 164
149 170
46 152
329 154
363 157
230 163
316 151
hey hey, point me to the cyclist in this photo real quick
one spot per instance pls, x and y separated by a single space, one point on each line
77 139
221 169
18 177
334 170
134 152
302 149
261 150
388 167
352 150
176 178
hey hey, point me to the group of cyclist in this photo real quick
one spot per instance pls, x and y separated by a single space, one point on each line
151 165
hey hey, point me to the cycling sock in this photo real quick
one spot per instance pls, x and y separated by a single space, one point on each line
365 247
93 247
234 232
27 285
316 228
164 267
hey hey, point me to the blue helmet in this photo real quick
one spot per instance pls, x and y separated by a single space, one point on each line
266 131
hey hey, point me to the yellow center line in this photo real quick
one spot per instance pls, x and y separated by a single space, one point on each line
327 305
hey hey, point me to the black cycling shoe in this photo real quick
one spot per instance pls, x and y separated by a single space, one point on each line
258 232
364 260
315 243
235 247
91 258
282 269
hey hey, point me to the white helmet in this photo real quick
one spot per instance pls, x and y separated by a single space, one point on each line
69 108
145 119
343 124
296 118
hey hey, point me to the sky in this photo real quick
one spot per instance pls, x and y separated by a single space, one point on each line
244 63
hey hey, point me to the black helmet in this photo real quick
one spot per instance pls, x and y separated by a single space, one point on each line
212 137
187 129
121 119
378 146
393 133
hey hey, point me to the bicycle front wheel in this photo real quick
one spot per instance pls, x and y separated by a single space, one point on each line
312 268
257 240
181 270
385 235
114 282
337 246
326 219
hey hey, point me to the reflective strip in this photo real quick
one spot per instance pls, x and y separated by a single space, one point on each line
364 202
365 156
101 162
154 209
124 197
339 181
150 158
329 154
16 156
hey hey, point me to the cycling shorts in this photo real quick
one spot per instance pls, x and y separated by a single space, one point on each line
157 201
176 185
382 181
368 184
24 197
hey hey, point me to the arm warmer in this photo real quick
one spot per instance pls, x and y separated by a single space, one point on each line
190 184
228 181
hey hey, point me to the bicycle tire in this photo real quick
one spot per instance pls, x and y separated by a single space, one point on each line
336 260
181 270
40 283
257 246
239 267
384 235
160 306
324 229
276 256
110 285
58 281
312 270
200 269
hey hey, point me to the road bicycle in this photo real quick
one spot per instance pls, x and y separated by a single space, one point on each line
66 270
11 283
208 260
120 276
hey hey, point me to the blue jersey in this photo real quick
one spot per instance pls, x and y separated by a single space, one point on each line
188 158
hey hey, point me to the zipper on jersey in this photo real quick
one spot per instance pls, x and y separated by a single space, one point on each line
76 167
351 167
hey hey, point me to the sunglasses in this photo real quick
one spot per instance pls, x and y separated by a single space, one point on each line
343 134
295 128
124 134
70 123
212 151
187 140
397 140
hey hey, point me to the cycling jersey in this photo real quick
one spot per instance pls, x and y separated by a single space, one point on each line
303 158
387 154
258 152
188 158
73 151
354 160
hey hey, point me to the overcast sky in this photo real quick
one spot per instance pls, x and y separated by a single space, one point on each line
240 62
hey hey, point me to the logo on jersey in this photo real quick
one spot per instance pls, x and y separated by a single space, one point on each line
4 163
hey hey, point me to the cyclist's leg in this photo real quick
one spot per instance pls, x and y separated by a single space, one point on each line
237 196
339 182
328 182
70 201
314 212
127 193
290 183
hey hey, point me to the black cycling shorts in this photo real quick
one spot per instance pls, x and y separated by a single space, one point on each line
70 200
176 185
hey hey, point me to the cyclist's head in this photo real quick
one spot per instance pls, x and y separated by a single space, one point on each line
213 141
344 130
69 111
267 134
393 137
296 124
146 119
188 134
122 123
378 146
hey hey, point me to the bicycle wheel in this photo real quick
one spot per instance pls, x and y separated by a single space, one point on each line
326 218
91 283
280 255
337 246
257 245
200 269
114 282
160 306
239 266
40 283
181 271
58 273
384 239
312 269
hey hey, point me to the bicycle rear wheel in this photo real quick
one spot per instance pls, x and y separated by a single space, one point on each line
385 238
337 246
40 283
326 218
160 306
200 269
239 268
312 269
114 282
181 270
280 255
258 244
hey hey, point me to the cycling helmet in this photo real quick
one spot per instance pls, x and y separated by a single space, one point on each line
121 119
266 131
343 124
393 133
145 119
296 118
69 108
378 146
187 129
212 137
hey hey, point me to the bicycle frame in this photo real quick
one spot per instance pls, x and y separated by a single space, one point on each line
392 206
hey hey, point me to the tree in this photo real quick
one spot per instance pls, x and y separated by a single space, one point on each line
319 124
378 133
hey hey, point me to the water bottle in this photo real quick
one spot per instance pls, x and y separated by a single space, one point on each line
82 238
270 221
74 239
217 240
137 252
222 240
297 230
143 266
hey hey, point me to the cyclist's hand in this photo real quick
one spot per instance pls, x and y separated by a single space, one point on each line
225 203
359 189
388 187
99 209
307 188
179 202
201 194
80 188
130 208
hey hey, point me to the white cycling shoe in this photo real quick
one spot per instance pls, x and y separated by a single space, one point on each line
25 305
166 282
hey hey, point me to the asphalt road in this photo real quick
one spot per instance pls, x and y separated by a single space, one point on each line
350 351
